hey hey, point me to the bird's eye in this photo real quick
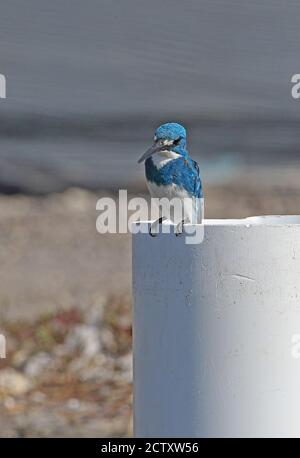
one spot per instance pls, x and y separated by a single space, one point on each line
176 142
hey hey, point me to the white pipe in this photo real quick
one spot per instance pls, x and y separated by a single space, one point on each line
215 331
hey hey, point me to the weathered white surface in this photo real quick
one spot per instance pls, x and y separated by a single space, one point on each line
213 328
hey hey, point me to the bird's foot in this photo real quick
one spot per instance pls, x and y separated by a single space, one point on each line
153 231
179 228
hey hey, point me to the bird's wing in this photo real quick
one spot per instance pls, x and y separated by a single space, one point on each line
198 193
198 202
198 184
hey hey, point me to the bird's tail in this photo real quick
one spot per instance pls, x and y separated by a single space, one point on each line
194 210
198 210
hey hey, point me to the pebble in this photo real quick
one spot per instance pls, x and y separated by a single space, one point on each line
85 339
37 364
73 404
13 382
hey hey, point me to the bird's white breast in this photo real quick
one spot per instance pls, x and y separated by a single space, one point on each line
192 209
163 157
170 191
160 160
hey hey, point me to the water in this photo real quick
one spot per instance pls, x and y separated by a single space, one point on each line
87 82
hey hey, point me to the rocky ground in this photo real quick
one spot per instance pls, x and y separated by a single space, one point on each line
66 308
68 374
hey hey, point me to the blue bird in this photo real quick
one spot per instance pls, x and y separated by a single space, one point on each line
172 173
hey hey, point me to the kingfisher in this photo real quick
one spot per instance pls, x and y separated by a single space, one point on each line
172 173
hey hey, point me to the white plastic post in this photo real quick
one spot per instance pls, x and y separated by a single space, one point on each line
217 331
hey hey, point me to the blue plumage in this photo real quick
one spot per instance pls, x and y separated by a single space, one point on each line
170 171
182 171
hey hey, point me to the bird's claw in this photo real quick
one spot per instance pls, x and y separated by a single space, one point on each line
152 234
179 228
153 230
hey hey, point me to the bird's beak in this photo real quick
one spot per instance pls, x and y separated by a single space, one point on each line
157 146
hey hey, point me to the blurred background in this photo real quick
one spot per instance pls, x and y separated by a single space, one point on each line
87 84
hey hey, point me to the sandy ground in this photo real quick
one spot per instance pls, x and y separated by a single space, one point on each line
52 257
65 305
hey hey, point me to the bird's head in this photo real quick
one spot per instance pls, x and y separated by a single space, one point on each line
168 137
